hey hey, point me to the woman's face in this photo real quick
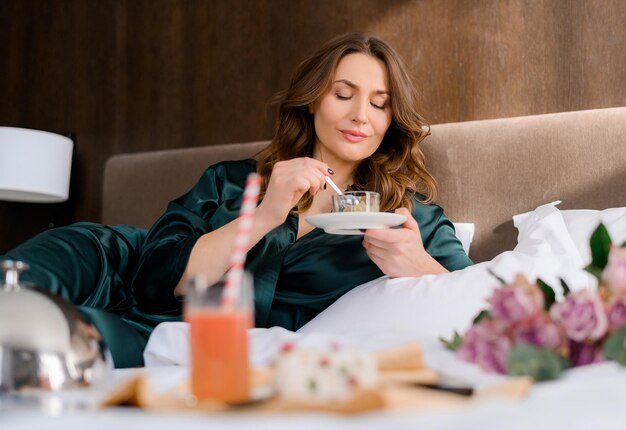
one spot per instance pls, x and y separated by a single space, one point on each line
351 118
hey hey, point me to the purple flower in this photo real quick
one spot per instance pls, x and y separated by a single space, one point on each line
614 274
516 302
582 316
487 345
540 331
583 353
616 313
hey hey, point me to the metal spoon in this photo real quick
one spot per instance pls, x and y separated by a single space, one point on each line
351 200
333 185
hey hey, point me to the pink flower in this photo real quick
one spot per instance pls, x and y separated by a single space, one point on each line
616 313
540 331
583 353
516 302
582 316
487 345
614 273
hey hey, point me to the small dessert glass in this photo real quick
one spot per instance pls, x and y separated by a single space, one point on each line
357 201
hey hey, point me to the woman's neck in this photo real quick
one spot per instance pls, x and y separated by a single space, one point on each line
343 172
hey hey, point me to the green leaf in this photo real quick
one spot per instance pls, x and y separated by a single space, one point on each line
539 363
482 314
502 281
600 244
566 289
623 245
615 346
548 294
595 271
453 344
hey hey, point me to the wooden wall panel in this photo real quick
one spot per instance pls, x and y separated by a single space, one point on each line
136 75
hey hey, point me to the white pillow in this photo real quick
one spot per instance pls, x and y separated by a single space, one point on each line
427 307
545 227
435 305
581 223
465 233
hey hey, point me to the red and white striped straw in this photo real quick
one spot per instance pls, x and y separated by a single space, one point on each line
242 237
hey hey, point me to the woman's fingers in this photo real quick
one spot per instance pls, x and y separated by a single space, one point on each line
410 222
301 174
383 237
396 252
374 250
289 181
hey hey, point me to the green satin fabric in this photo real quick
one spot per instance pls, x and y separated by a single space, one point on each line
91 265
294 280
88 264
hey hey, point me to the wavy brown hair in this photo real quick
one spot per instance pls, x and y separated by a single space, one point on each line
397 169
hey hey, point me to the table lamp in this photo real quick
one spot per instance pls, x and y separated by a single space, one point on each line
35 165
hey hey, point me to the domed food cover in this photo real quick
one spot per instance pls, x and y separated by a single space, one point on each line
45 343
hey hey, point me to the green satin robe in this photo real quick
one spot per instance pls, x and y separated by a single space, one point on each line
294 279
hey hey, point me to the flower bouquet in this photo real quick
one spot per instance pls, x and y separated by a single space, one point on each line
527 331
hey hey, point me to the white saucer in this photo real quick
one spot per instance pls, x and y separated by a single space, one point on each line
353 222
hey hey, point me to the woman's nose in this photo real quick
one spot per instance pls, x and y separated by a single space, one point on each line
359 112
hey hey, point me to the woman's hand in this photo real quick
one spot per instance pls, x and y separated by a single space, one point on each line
400 251
289 181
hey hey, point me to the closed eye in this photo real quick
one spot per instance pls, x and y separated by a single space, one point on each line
378 105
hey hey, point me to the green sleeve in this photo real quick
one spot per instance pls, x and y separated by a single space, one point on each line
211 203
439 237
86 263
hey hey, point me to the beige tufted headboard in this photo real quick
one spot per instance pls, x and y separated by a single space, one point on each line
487 171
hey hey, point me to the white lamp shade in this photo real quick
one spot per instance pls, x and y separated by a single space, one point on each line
35 165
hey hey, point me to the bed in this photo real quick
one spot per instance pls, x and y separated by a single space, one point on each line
533 187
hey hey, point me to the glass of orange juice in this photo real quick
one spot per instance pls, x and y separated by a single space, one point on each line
219 339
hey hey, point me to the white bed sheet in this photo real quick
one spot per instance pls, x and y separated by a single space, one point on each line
589 397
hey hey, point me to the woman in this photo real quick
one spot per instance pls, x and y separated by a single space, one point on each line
349 113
